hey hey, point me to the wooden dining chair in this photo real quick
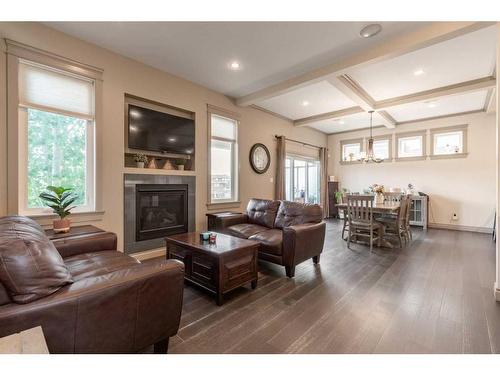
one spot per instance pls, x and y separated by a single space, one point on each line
393 197
360 220
396 226
408 233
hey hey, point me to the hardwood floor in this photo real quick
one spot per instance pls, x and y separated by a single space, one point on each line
435 296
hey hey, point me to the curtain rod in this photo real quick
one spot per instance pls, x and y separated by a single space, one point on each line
300 142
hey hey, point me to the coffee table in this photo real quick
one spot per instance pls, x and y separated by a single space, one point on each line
219 268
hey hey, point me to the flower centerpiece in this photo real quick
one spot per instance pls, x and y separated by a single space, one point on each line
378 190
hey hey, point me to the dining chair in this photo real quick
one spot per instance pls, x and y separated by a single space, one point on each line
393 197
360 220
408 233
396 226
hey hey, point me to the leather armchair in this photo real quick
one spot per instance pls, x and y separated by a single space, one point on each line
114 304
289 232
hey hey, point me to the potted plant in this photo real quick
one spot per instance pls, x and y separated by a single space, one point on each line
140 160
59 199
379 193
180 163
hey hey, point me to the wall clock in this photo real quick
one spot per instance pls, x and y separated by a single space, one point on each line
260 158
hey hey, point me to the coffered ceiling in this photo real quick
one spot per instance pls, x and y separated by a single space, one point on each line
322 75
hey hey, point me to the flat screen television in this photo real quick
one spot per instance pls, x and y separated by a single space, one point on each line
158 131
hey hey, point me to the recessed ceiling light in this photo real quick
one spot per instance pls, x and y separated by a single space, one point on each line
370 30
234 65
431 104
341 122
305 103
418 72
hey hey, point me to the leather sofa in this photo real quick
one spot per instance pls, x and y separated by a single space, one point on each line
86 296
288 232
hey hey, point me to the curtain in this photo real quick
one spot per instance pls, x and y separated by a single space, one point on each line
279 192
323 165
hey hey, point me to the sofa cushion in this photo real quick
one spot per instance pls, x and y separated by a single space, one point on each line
245 230
30 265
4 296
295 213
262 212
271 241
98 263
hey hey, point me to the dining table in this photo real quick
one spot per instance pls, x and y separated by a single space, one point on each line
379 208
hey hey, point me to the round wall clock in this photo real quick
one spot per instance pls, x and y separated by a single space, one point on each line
260 158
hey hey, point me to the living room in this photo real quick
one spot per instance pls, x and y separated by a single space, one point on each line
228 196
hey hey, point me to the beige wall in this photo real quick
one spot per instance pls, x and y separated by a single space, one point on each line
465 186
123 75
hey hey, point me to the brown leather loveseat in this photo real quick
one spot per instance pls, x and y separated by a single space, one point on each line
289 232
86 296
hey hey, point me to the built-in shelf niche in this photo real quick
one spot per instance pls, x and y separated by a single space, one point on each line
160 157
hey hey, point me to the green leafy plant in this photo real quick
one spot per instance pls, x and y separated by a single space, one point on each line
338 196
59 199
180 161
140 158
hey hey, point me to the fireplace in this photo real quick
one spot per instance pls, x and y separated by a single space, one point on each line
156 206
161 210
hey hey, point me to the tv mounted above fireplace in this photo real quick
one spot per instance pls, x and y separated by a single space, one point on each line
152 130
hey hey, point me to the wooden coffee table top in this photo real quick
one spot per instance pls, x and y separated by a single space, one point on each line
224 243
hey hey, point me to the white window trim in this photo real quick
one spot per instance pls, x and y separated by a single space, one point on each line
306 159
17 135
349 142
224 203
423 134
450 129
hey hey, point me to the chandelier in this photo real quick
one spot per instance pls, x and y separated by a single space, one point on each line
369 157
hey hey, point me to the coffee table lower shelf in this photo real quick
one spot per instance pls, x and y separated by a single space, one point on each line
219 268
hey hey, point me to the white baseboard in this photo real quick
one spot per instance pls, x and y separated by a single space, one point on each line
497 292
154 253
464 228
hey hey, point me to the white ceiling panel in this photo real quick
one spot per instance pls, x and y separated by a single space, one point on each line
347 123
461 59
268 52
472 101
320 97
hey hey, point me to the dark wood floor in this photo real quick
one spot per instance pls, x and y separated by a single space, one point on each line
435 296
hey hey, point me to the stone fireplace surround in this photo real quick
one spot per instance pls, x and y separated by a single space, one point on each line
130 182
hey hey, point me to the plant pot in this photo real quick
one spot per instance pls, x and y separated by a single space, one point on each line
180 167
61 225
379 198
140 164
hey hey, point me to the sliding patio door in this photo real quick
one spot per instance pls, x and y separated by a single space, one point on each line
302 179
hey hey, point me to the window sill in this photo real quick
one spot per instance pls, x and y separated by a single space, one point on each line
351 162
412 158
218 206
449 156
76 217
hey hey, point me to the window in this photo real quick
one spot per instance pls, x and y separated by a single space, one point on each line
223 159
382 148
411 146
450 141
302 177
57 126
350 150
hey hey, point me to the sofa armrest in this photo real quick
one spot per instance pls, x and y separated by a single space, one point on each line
224 222
119 312
303 241
85 244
